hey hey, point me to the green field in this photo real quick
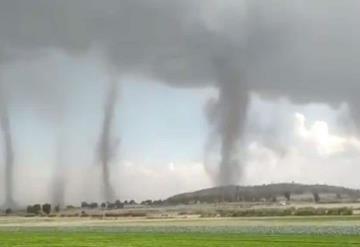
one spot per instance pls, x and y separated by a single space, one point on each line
130 232
106 239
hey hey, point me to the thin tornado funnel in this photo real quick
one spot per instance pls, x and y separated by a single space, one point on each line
9 156
59 183
106 143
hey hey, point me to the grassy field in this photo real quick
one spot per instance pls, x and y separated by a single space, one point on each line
107 239
130 232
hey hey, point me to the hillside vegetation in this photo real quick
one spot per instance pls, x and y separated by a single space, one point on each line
268 193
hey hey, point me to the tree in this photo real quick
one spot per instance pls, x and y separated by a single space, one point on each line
8 211
118 204
84 205
36 209
33 209
159 202
70 207
29 209
57 209
147 202
46 208
110 205
103 205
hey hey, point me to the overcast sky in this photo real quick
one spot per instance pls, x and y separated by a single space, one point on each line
210 93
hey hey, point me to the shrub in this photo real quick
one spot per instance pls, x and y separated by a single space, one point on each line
126 214
320 211
346 211
209 214
147 202
46 208
266 212
305 211
35 209
29 209
339 211
84 205
118 204
93 205
8 211
256 212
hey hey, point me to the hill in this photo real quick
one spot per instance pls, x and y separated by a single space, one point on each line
270 193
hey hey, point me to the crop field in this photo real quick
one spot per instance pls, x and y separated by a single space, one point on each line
107 239
130 232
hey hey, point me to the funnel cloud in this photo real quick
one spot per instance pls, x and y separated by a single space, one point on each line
9 156
107 146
